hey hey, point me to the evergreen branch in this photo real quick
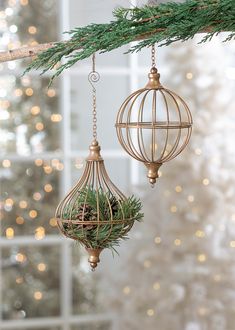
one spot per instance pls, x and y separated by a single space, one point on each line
162 24
100 235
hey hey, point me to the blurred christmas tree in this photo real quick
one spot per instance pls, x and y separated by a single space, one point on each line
177 273
30 182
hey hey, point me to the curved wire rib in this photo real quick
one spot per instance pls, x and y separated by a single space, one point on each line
132 134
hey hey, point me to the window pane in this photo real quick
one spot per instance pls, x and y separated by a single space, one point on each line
30 282
99 12
111 91
92 326
84 283
117 168
45 328
30 122
29 193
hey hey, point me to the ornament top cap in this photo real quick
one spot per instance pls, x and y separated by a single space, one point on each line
94 152
154 81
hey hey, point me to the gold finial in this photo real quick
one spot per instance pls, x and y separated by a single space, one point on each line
94 255
94 152
153 79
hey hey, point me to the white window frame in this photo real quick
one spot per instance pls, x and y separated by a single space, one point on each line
67 319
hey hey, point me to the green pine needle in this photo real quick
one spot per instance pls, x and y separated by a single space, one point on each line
163 24
85 207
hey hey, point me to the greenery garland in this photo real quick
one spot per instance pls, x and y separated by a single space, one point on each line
162 24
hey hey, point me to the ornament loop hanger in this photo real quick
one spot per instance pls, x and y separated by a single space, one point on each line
94 77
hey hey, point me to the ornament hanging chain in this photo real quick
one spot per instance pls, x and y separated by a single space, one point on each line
94 77
153 56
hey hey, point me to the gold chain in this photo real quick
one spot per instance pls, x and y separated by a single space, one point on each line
93 78
153 56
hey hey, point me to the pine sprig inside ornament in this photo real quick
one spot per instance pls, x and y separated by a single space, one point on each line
86 211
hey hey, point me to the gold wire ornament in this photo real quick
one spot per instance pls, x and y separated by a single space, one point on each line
154 124
95 212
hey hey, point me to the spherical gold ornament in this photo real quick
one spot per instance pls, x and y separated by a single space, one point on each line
154 125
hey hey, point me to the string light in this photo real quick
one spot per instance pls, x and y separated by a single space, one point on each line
39 126
20 257
150 312
47 169
51 92
6 163
202 311
9 202
33 43
39 233
10 233
4 104
29 91
48 187
35 110
37 196
56 117
32 29
147 263
41 267
173 209
201 257
178 189
13 28
205 182
19 280
9 11
12 3
38 162
53 222
189 75
232 244
198 151
177 242
200 233
25 81
2 14
126 290
33 214
157 240
60 167
24 2
191 198
23 204
156 286
37 295
79 163
18 92
19 220
55 162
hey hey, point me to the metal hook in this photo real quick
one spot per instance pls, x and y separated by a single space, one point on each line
93 76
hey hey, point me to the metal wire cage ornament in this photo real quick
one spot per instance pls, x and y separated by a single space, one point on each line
154 124
93 211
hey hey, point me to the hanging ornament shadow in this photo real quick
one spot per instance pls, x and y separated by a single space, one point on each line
95 212
154 124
